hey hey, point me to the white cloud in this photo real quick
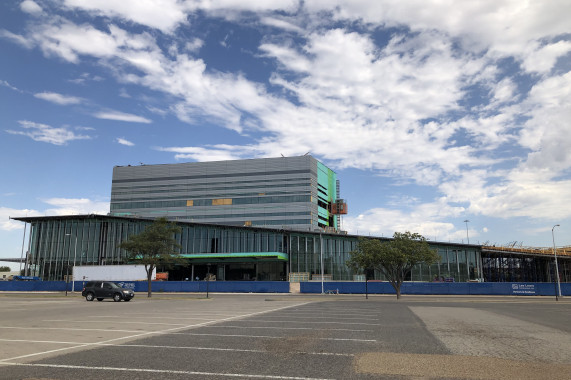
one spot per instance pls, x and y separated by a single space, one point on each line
75 206
504 91
122 116
194 45
547 132
58 98
56 206
165 15
7 224
8 85
122 141
46 133
543 59
210 153
16 38
85 77
403 109
504 26
31 7
281 24
230 8
523 195
430 220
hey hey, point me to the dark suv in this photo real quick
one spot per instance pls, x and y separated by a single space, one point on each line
106 289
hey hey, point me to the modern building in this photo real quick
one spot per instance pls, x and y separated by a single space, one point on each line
57 243
261 219
287 192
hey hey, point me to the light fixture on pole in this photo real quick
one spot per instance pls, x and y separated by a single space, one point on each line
558 289
467 237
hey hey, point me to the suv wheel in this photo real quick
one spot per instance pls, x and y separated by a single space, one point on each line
116 297
89 296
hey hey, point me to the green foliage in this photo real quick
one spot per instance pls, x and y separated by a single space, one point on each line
154 246
5 269
394 258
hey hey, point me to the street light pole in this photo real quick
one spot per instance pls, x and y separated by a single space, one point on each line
22 255
207 278
467 237
558 289
321 260
73 268
74 258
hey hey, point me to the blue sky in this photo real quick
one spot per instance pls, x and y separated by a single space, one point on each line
431 113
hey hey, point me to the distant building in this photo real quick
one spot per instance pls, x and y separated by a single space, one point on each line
286 192
5 276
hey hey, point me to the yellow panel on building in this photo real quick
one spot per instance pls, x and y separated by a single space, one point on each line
222 201
189 203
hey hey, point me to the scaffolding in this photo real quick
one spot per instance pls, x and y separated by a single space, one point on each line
523 264
561 251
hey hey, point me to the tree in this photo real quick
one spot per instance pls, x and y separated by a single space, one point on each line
5 269
394 258
154 246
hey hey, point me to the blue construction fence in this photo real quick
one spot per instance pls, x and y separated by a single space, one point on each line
440 288
429 288
157 286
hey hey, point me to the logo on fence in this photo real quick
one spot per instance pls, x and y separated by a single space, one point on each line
127 285
523 288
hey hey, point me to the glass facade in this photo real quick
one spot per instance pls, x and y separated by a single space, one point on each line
56 244
294 192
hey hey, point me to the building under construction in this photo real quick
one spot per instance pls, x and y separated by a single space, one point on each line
525 264
270 219
284 192
58 243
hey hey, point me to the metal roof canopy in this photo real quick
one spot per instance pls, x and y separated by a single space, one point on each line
283 229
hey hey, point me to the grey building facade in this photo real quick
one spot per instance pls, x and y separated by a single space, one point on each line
58 243
285 192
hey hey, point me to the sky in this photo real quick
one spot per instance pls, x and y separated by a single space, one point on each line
432 113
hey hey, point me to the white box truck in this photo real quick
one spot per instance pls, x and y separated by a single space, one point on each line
111 273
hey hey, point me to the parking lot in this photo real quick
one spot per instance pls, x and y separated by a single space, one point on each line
50 336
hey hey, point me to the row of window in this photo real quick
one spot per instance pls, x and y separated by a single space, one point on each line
208 176
196 198
209 202
55 246
234 215
206 187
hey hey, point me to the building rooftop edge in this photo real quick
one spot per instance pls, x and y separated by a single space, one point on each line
29 219
214 161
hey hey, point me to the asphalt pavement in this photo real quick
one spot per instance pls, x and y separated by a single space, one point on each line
273 336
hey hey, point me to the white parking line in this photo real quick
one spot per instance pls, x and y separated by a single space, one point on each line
269 337
319 322
139 316
288 328
166 371
66 328
175 347
129 322
146 333
312 317
330 315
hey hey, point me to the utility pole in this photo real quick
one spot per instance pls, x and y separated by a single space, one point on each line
467 237
558 289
